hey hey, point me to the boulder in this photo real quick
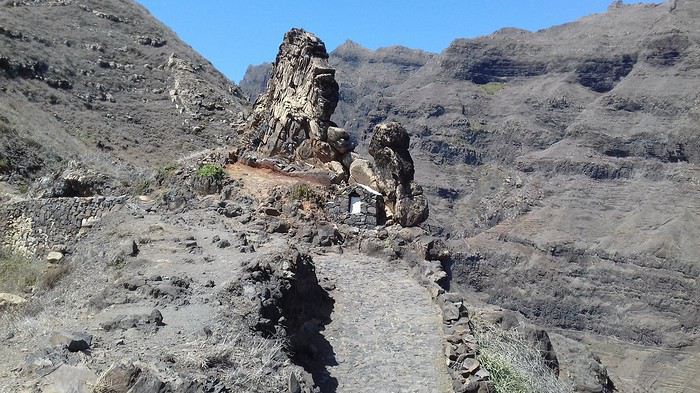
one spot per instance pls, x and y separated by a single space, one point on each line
348 158
436 250
129 247
338 173
73 342
327 235
149 322
411 206
124 377
540 340
66 378
74 181
361 172
280 295
340 140
394 172
54 257
9 299
393 164
313 150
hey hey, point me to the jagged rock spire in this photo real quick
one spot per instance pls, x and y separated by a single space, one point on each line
292 117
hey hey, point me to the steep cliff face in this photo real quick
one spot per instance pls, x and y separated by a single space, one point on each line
564 164
136 95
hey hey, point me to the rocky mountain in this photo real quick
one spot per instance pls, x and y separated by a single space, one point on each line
142 249
518 212
111 87
563 165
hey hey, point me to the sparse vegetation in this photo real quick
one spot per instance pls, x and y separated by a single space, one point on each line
515 365
165 172
17 272
492 88
304 192
142 187
211 171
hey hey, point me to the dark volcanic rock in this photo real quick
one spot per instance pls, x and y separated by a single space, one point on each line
280 294
601 75
394 174
73 342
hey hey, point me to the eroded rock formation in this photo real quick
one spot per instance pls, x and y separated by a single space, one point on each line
291 118
394 174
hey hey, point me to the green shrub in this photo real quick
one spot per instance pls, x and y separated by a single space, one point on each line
504 376
17 272
4 164
492 88
211 171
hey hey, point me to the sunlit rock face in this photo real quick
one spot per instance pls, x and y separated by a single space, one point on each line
291 118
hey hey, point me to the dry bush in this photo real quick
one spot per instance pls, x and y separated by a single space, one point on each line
17 272
29 320
252 362
305 192
52 275
515 365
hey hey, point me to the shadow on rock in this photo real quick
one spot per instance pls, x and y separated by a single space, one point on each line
280 296
311 350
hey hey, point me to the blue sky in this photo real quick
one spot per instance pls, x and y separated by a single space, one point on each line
233 34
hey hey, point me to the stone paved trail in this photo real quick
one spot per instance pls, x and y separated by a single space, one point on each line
385 329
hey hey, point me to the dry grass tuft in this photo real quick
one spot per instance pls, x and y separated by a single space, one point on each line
515 365
253 363
52 275
17 272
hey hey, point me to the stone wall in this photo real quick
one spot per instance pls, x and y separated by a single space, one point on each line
29 226
371 209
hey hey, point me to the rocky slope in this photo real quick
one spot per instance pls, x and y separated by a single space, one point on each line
107 85
563 164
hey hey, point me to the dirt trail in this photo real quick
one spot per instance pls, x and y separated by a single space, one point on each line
259 181
385 329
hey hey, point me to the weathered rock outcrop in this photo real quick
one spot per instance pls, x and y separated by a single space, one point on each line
292 117
394 174
292 120
596 110
280 296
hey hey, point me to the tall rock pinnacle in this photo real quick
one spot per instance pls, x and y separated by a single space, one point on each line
292 120
292 117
